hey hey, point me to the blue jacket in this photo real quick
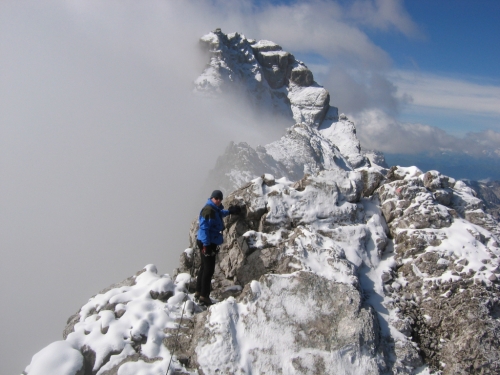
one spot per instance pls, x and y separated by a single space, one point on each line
211 224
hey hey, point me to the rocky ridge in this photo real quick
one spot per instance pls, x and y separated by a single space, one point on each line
339 266
319 267
272 78
444 286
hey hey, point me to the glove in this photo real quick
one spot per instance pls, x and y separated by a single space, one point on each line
234 210
204 250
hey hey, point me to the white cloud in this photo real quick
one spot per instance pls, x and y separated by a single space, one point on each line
384 15
433 91
380 131
318 27
354 91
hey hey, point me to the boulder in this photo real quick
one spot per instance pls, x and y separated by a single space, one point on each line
341 332
301 75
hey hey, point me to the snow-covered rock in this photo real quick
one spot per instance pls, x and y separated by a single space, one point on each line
342 133
57 358
335 265
447 266
302 150
309 281
273 79
281 326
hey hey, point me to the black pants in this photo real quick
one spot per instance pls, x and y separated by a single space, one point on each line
207 268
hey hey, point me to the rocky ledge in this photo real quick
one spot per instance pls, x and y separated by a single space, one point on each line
339 272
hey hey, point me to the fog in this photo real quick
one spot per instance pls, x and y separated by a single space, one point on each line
104 152
375 128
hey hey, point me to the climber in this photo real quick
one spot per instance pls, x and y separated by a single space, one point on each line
209 239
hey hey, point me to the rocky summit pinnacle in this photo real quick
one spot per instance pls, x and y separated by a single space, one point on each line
272 78
336 265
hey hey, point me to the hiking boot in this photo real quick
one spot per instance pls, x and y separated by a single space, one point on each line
197 295
205 301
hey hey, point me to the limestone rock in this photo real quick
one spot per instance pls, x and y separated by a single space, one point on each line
274 60
341 332
437 297
372 179
309 104
272 79
342 133
409 204
301 75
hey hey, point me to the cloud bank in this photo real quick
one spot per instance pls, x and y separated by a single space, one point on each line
379 131
433 91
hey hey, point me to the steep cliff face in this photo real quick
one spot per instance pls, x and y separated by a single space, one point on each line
273 79
336 264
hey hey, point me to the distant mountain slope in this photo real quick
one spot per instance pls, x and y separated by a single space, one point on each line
459 165
489 193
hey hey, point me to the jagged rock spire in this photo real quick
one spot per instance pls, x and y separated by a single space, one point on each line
270 77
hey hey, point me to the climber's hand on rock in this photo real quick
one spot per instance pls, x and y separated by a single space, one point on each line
234 210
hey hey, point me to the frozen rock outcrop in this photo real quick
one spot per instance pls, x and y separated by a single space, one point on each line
124 327
302 150
293 248
444 286
315 276
298 333
287 280
270 77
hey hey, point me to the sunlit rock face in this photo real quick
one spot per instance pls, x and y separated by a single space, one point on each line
273 80
269 77
444 288
336 264
291 330
303 149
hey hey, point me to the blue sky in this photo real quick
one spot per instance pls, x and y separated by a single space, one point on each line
457 39
415 76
